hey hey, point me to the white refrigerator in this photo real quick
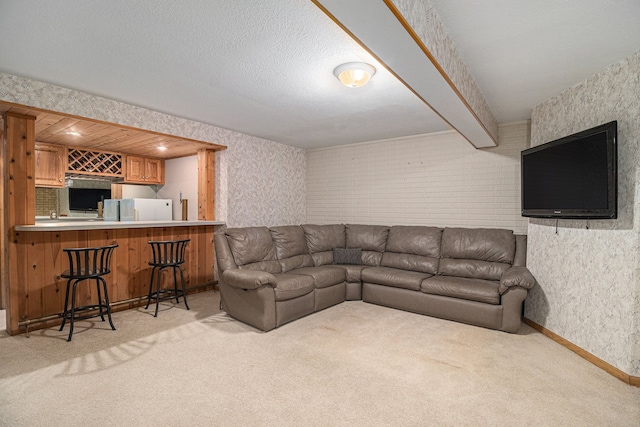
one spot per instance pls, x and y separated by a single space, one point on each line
146 210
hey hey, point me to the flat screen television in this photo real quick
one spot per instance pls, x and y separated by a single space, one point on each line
86 199
573 177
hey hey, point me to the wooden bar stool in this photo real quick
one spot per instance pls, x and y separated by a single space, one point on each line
85 264
167 254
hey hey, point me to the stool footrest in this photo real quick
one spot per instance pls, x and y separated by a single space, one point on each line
165 294
100 310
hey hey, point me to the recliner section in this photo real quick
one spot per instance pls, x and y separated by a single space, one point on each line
271 276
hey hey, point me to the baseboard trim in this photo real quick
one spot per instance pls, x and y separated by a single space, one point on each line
607 367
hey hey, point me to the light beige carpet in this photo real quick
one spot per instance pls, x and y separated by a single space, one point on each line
353 364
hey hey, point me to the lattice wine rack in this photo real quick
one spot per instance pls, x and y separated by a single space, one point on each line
94 162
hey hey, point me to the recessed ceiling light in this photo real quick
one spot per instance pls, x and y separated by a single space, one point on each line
354 74
162 148
72 133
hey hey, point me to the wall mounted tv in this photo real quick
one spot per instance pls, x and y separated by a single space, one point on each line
86 199
573 177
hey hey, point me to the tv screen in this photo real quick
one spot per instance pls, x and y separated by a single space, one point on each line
572 177
86 199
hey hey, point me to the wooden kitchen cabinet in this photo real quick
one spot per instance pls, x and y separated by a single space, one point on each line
155 171
142 170
50 165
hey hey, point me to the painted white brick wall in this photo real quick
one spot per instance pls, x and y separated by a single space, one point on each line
435 179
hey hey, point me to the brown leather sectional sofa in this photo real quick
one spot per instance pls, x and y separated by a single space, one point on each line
271 276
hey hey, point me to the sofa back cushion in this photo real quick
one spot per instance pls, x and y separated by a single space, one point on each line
322 239
476 253
372 239
291 247
224 257
520 258
414 248
253 249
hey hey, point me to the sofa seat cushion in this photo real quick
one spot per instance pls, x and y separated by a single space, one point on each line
324 276
394 277
479 290
292 286
353 273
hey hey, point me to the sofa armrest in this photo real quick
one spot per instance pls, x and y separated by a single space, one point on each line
516 276
248 279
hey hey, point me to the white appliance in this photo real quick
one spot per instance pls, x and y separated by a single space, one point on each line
111 210
146 210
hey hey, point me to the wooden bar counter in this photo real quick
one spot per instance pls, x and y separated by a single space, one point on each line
36 291
31 256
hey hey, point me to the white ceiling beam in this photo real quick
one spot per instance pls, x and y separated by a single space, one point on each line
381 29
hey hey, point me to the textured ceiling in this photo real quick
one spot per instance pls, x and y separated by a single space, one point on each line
264 68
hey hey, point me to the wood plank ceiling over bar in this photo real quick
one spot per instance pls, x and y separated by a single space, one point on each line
56 128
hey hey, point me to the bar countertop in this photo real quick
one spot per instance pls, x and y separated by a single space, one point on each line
95 224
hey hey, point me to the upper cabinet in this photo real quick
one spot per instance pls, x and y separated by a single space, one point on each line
155 171
50 165
140 170
53 161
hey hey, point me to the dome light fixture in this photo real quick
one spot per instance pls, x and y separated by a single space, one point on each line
354 74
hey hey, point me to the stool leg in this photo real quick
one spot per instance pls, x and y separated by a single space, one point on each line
153 273
184 292
66 303
100 305
73 309
175 285
158 291
106 300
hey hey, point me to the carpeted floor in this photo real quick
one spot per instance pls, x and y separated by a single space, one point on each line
353 364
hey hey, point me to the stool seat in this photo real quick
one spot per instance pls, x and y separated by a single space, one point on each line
167 254
85 264
85 273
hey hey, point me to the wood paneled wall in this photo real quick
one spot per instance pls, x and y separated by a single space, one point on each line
206 184
38 289
4 278
19 194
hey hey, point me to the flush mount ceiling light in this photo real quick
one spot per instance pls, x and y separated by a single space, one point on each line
354 74
72 133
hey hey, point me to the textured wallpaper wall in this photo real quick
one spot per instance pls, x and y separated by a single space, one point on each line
435 179
589 280
257 181
265 182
